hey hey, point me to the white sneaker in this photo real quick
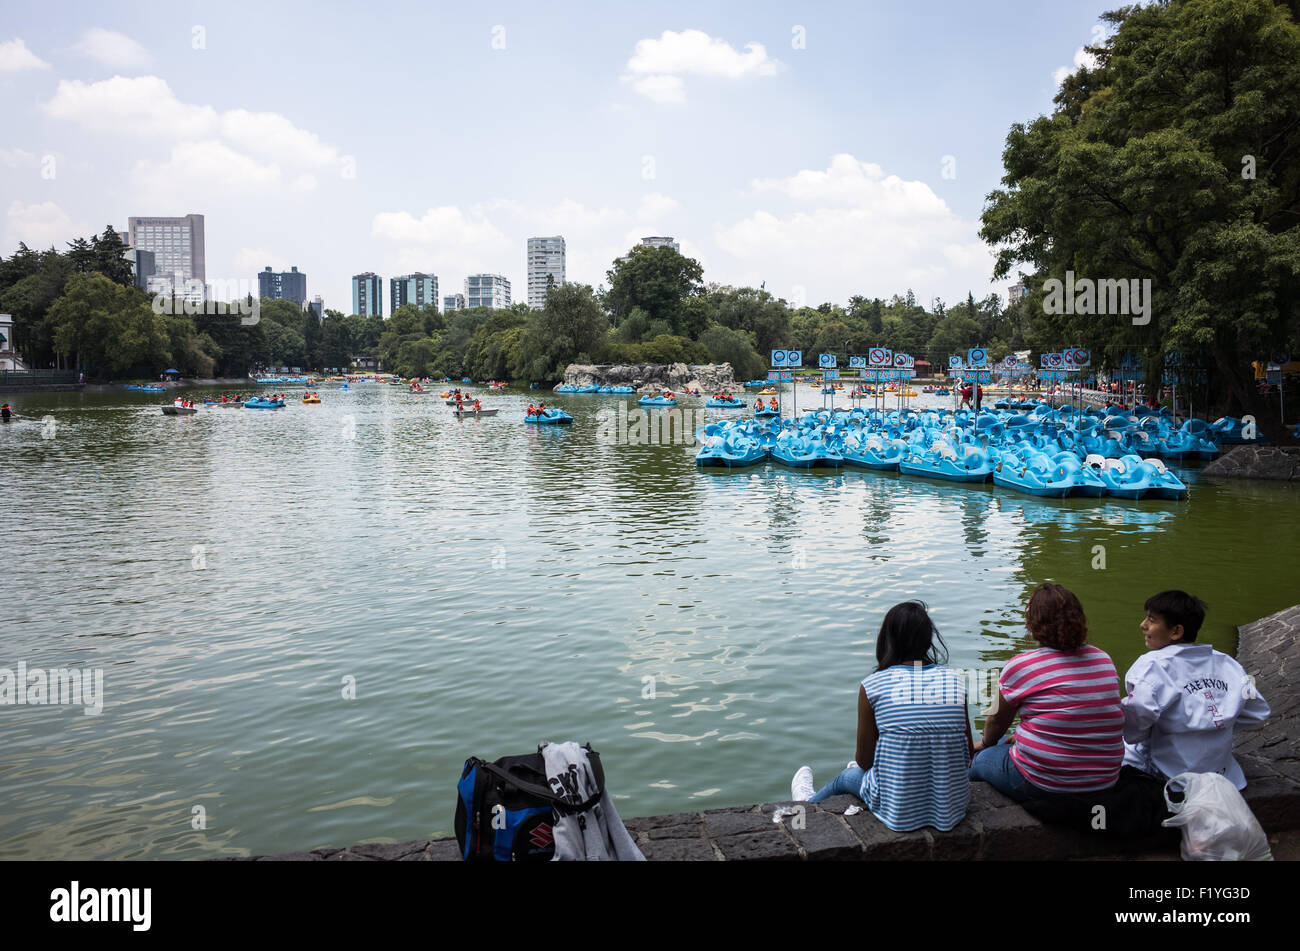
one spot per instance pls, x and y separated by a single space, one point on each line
853 764
801 787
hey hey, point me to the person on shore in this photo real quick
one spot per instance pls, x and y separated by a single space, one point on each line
1071 733
1185 700
914 739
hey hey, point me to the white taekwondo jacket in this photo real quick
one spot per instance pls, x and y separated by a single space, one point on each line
1184 703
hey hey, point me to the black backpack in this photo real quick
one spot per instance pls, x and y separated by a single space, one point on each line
505 810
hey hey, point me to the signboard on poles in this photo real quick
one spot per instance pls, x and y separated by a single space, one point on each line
977 356
826 360
879 357
787 358
857 363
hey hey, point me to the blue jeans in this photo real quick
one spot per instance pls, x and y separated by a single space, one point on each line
994 765
847 783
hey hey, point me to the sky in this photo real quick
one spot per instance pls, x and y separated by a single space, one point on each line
824 149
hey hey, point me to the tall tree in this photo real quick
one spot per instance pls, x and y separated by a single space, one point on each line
659 281
1173 162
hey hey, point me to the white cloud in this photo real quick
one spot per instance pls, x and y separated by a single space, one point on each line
657 65
858 231
144 105
252 260
40 225
15 56
271 134
661 88
655 206
17 158
205 168
1081 58
452 242
693 51
112 48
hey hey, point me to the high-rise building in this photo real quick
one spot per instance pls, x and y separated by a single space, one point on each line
487 290
418 289
656 242
545 260
142 265
283 285
453 302
177 246
367 295
317 306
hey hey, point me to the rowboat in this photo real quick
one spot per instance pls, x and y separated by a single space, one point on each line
179 410
458 413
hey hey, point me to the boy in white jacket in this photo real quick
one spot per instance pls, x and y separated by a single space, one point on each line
1185 700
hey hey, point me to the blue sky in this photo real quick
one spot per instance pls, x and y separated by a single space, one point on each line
827 149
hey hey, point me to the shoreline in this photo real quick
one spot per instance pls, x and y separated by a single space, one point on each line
994 828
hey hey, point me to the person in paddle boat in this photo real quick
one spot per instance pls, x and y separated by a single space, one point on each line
772 403
477 406
913 736
531 411
758 405
6 413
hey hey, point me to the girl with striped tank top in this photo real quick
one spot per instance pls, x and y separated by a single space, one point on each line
914 739
1066 692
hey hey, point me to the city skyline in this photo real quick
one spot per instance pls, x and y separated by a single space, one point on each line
761 137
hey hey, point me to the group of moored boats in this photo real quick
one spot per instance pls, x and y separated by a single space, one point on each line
1046 452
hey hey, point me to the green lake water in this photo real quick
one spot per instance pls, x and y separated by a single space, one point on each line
482 585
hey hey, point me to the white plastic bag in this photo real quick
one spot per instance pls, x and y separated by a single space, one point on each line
1217 824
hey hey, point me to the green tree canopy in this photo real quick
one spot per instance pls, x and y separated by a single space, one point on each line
1173 161
659 281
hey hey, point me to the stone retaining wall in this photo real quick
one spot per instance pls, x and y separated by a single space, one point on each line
1278 463
994 827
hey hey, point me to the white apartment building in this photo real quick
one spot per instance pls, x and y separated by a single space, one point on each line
545 260
487 290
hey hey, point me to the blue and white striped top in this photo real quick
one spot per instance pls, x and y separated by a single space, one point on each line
920 774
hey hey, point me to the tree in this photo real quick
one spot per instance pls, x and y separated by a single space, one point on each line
1173 162
109 257
659 281
733 346
569 328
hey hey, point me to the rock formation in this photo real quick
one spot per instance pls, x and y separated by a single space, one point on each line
1257 462
654 377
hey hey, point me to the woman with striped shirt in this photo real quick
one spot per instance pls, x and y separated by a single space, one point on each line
914 739
1071 733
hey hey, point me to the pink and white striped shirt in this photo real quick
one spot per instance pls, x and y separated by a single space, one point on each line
1071 732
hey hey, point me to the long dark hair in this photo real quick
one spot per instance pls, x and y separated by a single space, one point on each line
907 635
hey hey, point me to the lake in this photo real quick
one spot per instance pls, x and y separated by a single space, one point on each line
306 619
